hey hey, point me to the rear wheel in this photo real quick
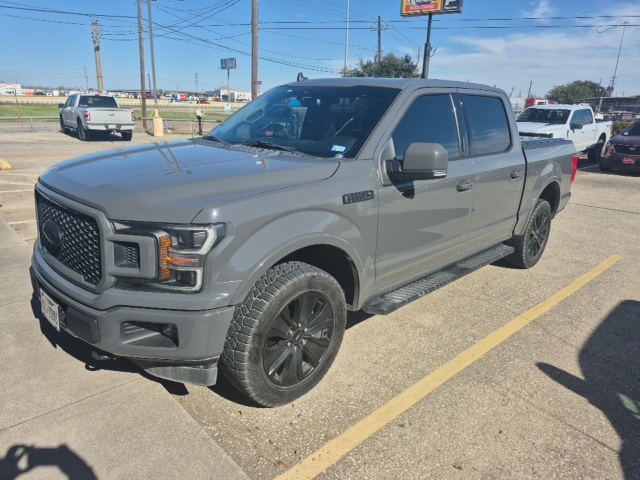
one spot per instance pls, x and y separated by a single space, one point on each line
83 134
596 152
285 335
126 136
530 246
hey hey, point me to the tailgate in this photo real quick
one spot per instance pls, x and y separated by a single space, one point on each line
116 116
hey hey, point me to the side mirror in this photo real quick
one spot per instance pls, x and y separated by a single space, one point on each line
422 161
61 105
576 125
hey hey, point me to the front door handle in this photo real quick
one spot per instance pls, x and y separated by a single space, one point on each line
516 174
464 185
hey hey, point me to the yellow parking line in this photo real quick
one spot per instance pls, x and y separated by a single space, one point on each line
332 452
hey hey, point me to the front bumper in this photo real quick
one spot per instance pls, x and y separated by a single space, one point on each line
623 162
189 355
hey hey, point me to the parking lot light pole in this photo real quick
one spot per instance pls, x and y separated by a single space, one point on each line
427 50
143 87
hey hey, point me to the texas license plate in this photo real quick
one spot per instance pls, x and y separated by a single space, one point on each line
629 160
111 126
50 309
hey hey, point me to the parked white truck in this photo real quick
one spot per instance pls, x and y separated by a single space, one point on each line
88 114
571 122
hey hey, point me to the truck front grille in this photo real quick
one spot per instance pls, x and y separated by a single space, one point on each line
70 237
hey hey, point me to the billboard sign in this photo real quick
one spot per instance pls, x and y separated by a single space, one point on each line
227 63
412 8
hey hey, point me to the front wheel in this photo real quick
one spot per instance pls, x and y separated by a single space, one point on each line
285 335
63 127
530 246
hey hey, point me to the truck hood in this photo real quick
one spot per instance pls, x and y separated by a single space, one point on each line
535 127
172 182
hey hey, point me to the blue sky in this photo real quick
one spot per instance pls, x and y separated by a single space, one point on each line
562 41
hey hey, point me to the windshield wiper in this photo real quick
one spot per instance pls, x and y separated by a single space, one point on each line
271 145
213 139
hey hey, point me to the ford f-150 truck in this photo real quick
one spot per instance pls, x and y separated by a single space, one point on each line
245 249
572 122
89 114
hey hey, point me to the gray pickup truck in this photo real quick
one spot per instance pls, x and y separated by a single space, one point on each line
93 114
245 249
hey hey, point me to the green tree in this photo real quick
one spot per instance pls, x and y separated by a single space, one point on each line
580 91
389 67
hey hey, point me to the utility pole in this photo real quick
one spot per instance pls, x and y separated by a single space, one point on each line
254 49
427 50
379 28
143 88
346 38
615 72
529 92
96 50
86 77
197 91
153 58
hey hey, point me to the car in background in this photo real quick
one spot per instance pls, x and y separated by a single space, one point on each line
623 150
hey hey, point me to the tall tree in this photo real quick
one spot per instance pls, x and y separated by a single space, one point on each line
580 91
389 67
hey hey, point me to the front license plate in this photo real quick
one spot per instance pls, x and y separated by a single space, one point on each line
111 126
629 160
50 309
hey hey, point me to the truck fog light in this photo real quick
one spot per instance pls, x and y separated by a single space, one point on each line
186 277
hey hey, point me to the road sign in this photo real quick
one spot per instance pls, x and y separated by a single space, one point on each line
411 8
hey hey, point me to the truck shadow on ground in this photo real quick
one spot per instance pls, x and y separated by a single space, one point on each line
22 459
610 364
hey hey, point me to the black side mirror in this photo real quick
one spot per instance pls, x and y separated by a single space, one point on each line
422 161
576 125
61 105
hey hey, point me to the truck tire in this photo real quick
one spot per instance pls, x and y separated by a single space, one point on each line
285 335
63 128
83 134
126 136
530 246
596 152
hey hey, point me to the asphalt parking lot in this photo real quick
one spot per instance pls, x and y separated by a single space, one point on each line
446 387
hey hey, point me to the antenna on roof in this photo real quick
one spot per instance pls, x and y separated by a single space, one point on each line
301 77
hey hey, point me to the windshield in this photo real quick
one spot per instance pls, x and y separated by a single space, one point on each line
319 121
97 102
544 115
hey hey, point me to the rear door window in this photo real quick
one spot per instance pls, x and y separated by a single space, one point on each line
487 124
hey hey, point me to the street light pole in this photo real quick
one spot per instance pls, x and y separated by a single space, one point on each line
615 72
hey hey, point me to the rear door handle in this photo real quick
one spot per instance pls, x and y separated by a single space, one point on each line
516 174
464 185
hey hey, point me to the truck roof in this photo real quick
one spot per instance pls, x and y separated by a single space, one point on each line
560 106
400 83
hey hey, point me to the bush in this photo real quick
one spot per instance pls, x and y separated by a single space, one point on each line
620 126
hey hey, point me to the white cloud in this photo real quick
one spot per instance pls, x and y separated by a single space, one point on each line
541 9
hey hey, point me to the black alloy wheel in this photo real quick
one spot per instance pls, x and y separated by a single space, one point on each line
298 339
530 246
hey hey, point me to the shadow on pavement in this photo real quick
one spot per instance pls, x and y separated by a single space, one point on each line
610 364
20 459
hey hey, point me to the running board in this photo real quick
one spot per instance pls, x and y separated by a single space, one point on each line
389 302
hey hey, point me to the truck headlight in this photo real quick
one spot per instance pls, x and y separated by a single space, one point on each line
181 253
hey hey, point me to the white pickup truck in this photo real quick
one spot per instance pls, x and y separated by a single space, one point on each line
89 114
571 122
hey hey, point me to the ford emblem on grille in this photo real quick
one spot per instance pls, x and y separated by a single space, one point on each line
53 235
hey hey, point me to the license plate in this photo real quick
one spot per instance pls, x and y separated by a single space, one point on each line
50 309
111 126
629 160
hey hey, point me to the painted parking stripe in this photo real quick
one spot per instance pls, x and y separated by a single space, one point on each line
332 452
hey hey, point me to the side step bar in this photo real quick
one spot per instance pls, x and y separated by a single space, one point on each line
389 302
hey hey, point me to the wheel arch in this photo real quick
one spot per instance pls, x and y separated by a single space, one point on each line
551 193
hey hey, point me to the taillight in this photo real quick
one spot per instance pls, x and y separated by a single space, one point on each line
87 115
575 168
